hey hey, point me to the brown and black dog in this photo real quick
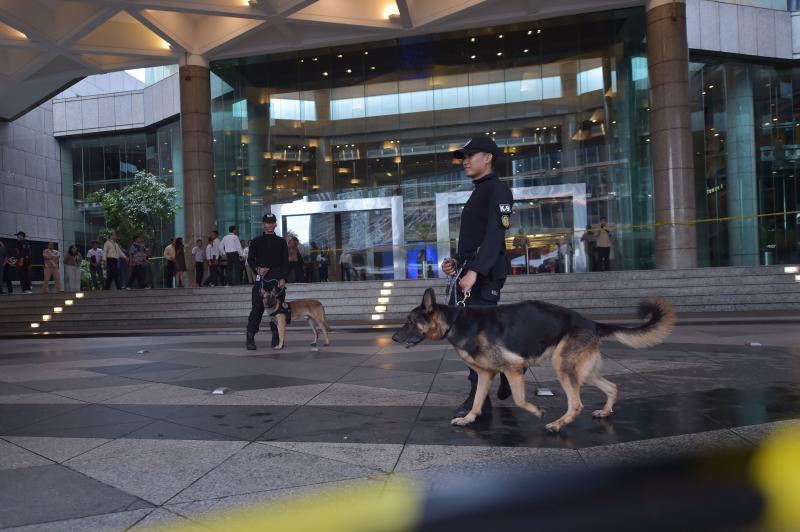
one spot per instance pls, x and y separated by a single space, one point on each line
310 309
509 338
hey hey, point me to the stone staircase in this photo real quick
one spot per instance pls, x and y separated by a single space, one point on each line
761 291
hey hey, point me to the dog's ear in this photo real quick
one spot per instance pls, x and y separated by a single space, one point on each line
429 300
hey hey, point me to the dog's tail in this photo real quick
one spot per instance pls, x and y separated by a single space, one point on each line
653 332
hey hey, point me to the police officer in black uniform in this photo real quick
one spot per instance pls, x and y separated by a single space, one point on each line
269 259
481 242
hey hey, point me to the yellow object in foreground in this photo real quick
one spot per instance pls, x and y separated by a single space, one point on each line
360 508
776 471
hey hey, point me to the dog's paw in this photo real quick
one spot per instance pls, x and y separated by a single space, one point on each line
600 414
553 427
463 421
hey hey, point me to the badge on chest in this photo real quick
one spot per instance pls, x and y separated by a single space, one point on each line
505 214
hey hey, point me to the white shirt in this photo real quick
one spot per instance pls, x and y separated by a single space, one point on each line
231 244
199 254
210 254
97 253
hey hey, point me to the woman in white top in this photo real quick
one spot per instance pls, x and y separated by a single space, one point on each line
51 258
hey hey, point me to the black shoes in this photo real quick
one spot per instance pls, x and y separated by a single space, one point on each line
466 406
251 342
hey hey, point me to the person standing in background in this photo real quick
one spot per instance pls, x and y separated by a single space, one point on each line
251 277
4 269
211 257
199 252
24 262
181 274
111 254
605 241
72 269
138 254
51 257
169 264
231 247
95 256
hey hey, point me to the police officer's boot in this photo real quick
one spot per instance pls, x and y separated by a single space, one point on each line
504 391
251 342
276 339
466 406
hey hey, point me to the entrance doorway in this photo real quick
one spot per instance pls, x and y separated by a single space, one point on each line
347 240
546 228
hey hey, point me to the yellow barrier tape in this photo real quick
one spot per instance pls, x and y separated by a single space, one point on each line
776 471
361 508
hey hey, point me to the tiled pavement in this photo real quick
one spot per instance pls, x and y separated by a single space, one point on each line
97 435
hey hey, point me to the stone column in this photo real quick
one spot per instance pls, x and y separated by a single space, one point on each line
198 185
670 135
740 152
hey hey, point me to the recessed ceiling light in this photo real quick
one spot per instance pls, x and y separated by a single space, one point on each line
349 71
372 68
324 73
339 56
366 53
525 51
472 39
499 54
530 32
500 36
472 57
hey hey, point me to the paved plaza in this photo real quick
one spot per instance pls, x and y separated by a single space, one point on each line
120 433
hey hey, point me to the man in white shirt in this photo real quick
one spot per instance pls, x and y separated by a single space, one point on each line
169 263
232 248
605 241
95 257
216 275
111 255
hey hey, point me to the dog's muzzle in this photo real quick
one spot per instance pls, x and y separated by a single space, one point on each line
409 335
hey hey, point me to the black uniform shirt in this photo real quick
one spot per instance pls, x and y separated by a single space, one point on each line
269 251
484 222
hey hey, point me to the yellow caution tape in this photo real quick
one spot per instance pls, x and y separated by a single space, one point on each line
776 472
395 508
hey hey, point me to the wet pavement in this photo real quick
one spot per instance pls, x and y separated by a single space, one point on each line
139 439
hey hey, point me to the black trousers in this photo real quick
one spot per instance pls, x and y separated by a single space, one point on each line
112 274
25 278
475 300
138 273
7 270
198 273
233 272
169 274
603 255
257 313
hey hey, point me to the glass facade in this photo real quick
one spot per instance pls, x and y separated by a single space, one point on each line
746 135
111 161
321 136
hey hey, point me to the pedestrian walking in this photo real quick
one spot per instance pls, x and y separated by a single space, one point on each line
479 265
295 274
199 253
111 255
95 257
72 269
269 258
605 242
51 259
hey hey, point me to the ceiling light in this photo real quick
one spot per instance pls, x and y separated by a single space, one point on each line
372 68
499 54
339 56
538 32
525 51
472 39
500 36
349 71
472 57
314 59
324 73
530 32
366 53
391 11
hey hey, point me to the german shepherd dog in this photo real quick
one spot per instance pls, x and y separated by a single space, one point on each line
310 309
509 338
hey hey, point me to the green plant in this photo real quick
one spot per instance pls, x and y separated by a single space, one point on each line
86 277
136 208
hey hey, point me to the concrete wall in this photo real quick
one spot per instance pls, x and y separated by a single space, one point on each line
96 113
30 177
719 26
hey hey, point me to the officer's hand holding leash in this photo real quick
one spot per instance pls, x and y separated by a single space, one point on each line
451 269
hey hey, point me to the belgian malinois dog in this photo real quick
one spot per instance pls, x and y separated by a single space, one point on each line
310 309
509 338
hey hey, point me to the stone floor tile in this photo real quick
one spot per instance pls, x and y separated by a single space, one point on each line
13 456
55 493
262 467
57 449
351 394
112 522
151 469
381 457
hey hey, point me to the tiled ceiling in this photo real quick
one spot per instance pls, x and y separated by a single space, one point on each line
46 45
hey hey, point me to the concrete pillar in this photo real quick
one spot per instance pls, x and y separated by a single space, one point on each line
670 135
740 152
198 205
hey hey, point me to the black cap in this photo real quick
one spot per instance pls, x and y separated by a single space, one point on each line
20 233
269 218
478 144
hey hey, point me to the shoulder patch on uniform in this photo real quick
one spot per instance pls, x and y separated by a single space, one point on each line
505 208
